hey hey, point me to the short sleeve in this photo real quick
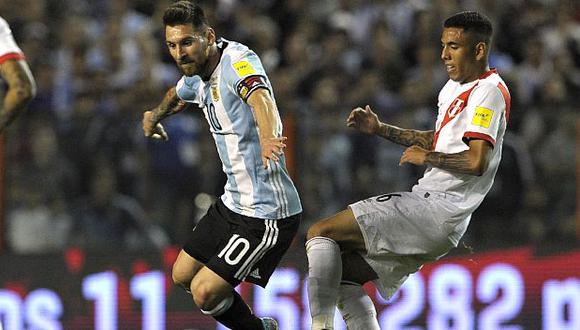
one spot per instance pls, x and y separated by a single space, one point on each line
248 75
8 48
485 112
190 89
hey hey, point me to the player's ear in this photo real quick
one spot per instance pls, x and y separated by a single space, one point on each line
480 51
210 36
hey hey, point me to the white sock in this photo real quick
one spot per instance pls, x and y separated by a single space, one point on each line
324 273
357 308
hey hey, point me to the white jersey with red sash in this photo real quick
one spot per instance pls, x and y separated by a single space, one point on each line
474 110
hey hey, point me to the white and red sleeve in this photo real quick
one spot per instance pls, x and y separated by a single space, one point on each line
485 111
8 47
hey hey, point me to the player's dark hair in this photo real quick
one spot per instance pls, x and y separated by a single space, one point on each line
185 12
473 22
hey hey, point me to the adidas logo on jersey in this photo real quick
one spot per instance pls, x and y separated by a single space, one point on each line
255 273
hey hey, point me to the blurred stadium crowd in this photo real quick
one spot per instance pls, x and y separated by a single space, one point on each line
79 171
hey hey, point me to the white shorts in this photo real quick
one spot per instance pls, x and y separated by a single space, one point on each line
404 230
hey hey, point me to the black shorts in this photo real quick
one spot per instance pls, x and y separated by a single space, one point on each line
240 248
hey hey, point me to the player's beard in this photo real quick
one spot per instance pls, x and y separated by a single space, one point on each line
193 67
190 69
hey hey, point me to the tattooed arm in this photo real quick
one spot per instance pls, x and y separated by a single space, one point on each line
21 89
472 161
420 145
406 137
366 121
170 105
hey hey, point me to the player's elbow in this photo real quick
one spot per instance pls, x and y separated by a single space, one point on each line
25 92
478 167
478 159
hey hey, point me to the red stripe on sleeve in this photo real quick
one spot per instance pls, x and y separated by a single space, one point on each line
479 136
11 56
508 100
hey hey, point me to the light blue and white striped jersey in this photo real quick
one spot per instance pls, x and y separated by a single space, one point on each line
250 189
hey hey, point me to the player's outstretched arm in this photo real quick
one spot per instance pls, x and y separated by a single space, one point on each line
366 121
170 105
21 90
473 161
266 114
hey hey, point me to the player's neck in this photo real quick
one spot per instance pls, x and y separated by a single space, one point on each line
477 74
212 62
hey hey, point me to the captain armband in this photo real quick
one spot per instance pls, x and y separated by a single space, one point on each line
249 84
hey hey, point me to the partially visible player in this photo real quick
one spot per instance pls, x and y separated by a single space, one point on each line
245 234
386 238
20 85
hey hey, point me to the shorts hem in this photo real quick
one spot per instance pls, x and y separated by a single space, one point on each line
259 282
192 253
198 257
356 212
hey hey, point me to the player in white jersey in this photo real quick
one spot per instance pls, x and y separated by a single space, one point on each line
385 238
15 72
245 234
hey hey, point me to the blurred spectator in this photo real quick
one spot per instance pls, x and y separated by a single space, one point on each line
107 220
42 184
176 169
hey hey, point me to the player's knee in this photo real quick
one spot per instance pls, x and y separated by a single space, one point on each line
204 297
201 297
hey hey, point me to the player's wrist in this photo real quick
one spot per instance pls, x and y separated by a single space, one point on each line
433 158
266 136
155 116
382 129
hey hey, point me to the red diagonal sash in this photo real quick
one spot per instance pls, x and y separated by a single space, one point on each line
454 109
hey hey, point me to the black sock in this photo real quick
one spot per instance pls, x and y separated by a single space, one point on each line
239 316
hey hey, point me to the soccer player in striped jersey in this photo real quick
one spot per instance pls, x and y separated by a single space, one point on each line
245 234
386 238
15 72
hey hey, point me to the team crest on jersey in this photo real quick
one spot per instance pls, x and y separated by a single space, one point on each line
456 107
482 117
244 68
215 94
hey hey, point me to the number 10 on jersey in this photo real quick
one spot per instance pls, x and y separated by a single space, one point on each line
212 117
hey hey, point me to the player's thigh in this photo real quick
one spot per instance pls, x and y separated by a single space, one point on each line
341 227
185 268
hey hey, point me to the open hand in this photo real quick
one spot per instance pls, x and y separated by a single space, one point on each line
414 155
272 149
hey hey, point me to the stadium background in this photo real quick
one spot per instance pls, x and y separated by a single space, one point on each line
92 212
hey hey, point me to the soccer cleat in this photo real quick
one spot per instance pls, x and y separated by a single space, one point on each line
269 323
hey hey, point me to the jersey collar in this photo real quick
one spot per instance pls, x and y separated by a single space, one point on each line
488 73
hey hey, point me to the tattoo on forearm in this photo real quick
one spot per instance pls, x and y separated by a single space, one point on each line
170 105
407 137
458 162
